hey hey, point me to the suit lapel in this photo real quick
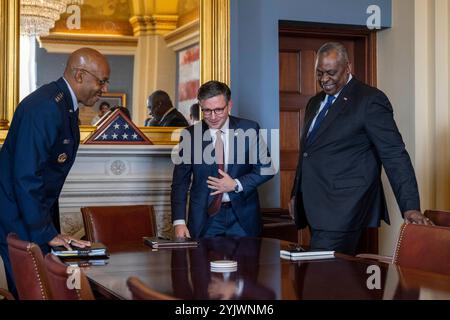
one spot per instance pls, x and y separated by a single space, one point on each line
337 108
232 142
167 118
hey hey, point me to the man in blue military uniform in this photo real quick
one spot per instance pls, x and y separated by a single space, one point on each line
39 151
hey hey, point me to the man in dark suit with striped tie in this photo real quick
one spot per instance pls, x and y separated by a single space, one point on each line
349 134
223 195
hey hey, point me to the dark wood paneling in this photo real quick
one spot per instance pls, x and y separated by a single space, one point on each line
307 75
278 224
289 160
290 69
287 181
293 102
290 123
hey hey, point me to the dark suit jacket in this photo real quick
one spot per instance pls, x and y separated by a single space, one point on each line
250 175
34 162
338 180
173 119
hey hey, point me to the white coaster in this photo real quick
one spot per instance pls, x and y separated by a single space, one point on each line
224 270
218 264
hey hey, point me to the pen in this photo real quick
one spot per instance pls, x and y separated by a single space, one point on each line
296 247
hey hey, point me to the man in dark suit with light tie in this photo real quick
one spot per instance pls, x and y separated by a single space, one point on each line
39 151
163 112
349 134
223 196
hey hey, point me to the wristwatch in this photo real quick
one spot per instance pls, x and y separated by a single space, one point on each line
236 187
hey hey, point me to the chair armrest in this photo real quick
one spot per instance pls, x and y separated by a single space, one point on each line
377 257
6 294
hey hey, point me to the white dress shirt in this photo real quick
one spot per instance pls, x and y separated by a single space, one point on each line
323 105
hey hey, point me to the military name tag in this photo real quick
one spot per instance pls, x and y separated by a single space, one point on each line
66 141
62 158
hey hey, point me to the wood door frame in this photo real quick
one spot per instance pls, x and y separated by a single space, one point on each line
369 241
294 28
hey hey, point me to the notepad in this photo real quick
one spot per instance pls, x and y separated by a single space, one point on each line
86 262
160 243
302 254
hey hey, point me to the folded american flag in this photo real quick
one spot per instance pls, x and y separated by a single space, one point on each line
118 129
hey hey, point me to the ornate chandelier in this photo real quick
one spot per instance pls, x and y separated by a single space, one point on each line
37 17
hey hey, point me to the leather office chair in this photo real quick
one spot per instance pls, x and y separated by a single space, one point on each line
278 224
140 291
424 247
57 277
30 273
438 217
420 247
118 225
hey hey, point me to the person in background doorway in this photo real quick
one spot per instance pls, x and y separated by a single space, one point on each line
163 112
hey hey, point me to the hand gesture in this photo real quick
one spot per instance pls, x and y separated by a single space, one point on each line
221 185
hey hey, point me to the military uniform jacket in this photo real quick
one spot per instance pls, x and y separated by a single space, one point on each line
34 162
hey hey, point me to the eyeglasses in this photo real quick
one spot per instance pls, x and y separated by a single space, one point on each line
217 112
100 81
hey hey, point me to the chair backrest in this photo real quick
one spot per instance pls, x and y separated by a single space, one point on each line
29 270
439 217
115 225
140 291
424 247
58 273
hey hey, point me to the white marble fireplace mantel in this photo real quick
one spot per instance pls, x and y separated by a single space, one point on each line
118 175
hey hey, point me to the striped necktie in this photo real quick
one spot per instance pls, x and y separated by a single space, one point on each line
214 207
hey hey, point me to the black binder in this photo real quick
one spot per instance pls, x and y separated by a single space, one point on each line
96 249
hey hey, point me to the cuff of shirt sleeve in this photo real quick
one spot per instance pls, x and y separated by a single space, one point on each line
179 222
239 288
240 188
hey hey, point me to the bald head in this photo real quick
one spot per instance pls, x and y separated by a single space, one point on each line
87 72
85 58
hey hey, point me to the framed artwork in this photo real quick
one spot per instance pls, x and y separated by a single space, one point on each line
188 78
90 115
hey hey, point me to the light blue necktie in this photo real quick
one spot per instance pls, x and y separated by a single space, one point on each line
319 119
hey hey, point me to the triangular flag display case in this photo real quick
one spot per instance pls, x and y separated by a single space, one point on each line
117 128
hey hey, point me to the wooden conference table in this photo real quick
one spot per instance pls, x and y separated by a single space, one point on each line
261 274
